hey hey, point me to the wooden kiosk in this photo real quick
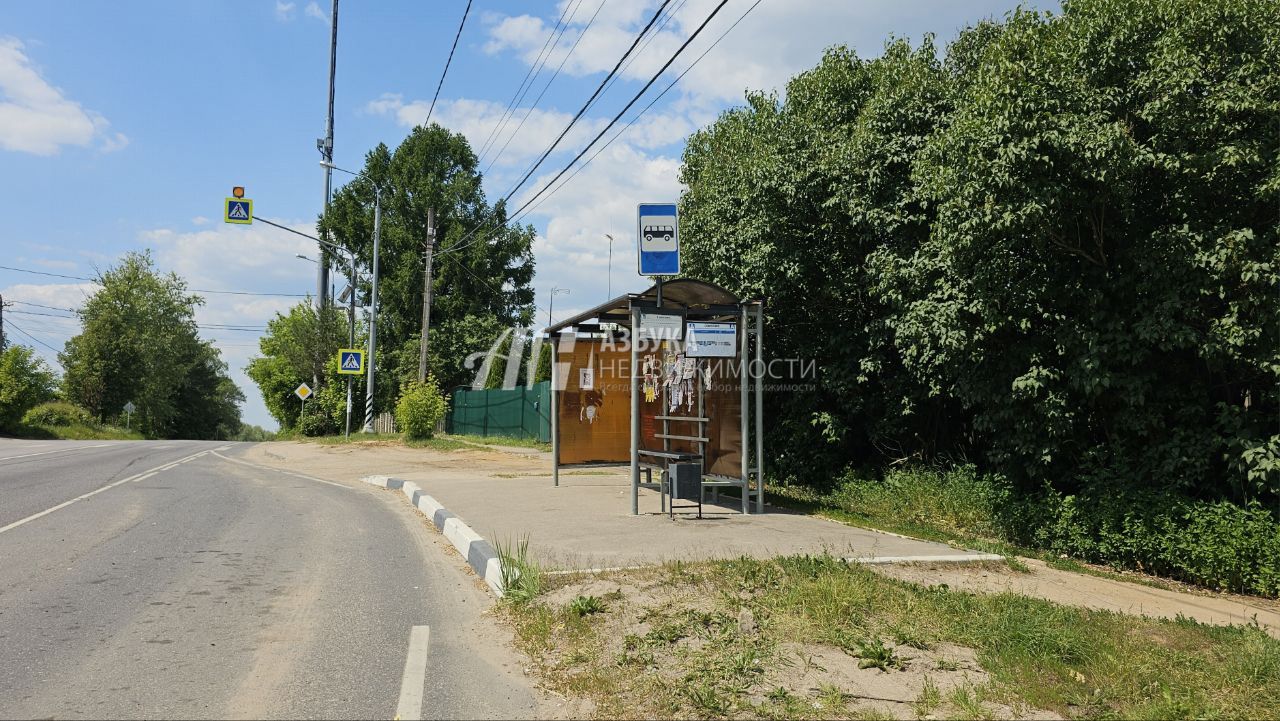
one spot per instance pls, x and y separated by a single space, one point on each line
659 378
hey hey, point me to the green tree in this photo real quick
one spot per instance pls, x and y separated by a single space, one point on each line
302 347
1054 249
485 276
139 343
25 382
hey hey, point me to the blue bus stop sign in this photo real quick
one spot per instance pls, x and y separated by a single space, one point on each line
659 239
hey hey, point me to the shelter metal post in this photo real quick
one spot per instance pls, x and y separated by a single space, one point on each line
759 312
742 383
555 413
635 415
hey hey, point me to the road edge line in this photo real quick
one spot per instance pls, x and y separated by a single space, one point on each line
477 551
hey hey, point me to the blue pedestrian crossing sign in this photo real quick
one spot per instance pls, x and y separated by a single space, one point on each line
659 239
238 210
350 361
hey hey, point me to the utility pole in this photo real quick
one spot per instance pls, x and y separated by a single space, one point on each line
373 308
325 146
1 322
554 292
427 254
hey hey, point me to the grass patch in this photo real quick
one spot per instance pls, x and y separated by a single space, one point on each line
922 506
76 432
500 441
674 644
521 576
438 443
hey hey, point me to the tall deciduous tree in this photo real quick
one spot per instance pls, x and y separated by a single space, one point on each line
1055 249
302 347
486 275
140 343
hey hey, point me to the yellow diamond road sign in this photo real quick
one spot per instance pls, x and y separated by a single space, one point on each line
303 391
350 361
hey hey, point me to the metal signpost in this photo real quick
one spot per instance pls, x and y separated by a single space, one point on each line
350 363
129 408
659 233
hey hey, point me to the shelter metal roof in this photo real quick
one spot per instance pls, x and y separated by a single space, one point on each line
679 293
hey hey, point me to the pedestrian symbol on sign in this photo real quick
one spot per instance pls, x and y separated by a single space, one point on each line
238 210
350 361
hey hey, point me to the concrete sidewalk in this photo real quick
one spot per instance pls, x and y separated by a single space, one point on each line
586 523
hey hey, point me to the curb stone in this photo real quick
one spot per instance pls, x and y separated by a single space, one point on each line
478 552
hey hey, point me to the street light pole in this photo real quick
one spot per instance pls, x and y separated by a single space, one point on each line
609 295
373 309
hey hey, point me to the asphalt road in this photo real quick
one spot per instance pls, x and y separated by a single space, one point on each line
173 580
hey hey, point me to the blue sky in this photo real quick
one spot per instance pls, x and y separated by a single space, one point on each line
123 125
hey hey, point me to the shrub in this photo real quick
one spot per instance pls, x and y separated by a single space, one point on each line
316 423
58 413
420 408
25 381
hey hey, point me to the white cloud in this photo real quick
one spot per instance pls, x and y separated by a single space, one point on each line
285 11
199 220
38 118
313 11
118 141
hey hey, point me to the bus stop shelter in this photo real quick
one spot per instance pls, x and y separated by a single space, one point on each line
659 378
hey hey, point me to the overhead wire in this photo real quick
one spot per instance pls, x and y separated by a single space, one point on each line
448 62
645 109
191 290
463 242
538 163
18 328
484 149
529 111
624 110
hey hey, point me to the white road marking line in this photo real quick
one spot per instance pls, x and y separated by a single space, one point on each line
60 450
277 470
143 478
413 682
64 504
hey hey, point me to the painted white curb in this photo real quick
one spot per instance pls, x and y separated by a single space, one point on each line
478 552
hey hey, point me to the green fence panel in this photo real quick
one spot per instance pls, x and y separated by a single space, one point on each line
503 413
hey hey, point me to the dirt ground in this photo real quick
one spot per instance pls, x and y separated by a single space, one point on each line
353 461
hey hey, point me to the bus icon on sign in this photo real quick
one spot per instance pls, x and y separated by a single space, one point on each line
661 233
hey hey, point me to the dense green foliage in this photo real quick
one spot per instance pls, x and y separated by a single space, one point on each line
1212 543
302 347
1054 251
25 381
480 283
58 413
420 408
139 343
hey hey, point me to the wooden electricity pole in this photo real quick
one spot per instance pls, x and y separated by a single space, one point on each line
427 253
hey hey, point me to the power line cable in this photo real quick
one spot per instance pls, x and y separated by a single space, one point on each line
484 149
554 75
37 305
447 62
462 242
646 108
622 112
191 290
18 328
594 95
643 46
541 63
